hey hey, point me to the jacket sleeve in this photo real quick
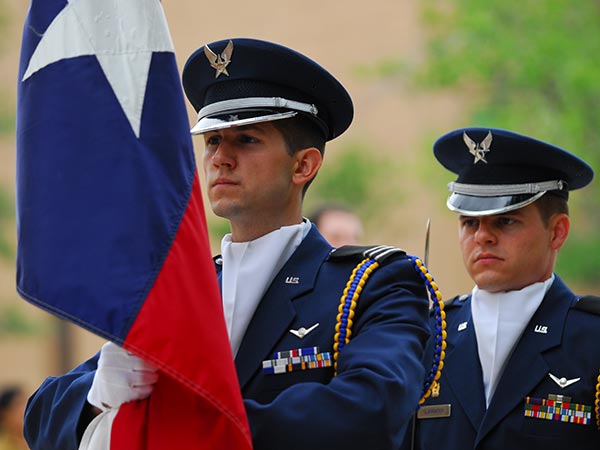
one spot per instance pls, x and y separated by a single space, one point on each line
57 413
380 376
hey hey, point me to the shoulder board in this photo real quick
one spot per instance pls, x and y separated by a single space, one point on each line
589 303
456 301
379 253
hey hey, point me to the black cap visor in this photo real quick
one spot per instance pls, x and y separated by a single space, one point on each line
470 205
239 118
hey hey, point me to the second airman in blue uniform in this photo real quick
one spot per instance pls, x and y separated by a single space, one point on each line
522 358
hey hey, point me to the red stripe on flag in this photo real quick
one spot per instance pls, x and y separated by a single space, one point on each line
180 328
173 418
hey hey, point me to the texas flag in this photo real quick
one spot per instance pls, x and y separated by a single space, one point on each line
111 227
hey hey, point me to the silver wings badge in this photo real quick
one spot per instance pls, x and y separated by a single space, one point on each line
478 150
219 62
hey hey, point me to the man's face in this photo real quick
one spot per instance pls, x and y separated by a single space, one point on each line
248 172
508 251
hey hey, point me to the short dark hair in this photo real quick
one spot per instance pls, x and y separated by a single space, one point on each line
300 132
549 204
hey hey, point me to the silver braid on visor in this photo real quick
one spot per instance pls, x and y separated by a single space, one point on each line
255 102
494 190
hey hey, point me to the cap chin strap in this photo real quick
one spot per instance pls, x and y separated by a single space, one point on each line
256 102
498 190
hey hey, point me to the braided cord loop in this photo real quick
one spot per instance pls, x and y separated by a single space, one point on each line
439 352
348 302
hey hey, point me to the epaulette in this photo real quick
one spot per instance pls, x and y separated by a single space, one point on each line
456 301
379 253
589 303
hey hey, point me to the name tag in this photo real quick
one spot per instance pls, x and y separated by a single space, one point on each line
433 411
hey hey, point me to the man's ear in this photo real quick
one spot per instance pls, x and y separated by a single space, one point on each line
308 162
559 227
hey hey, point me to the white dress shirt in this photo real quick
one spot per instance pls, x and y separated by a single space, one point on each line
499 319
249 269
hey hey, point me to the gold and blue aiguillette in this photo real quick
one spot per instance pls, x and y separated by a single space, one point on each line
558 408
297 359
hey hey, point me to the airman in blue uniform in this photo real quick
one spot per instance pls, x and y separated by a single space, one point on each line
522 366
328 343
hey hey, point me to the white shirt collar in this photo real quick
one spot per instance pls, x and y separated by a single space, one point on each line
248 270
500 319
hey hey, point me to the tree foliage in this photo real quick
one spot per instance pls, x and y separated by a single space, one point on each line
7 127
7 212
346 179
535 65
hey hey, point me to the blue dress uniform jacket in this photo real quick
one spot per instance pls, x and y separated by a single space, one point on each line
368 404
561 339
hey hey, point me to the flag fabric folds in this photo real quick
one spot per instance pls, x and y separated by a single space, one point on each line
110 222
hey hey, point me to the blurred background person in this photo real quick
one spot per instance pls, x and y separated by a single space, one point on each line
12 409
338 224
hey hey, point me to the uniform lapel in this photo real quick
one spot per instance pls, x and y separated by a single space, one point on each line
462 369
276 311
526 366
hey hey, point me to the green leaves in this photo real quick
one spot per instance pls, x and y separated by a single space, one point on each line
7 213
345 179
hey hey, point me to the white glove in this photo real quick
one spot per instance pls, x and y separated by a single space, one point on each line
121 377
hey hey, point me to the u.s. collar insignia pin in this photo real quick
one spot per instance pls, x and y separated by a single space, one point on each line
478 150
219 62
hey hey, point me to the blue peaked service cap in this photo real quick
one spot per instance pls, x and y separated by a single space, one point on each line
500 171
236 82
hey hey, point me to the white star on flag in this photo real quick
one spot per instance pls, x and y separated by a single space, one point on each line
121 38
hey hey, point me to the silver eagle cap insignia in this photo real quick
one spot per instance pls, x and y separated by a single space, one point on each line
478 150
219 62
